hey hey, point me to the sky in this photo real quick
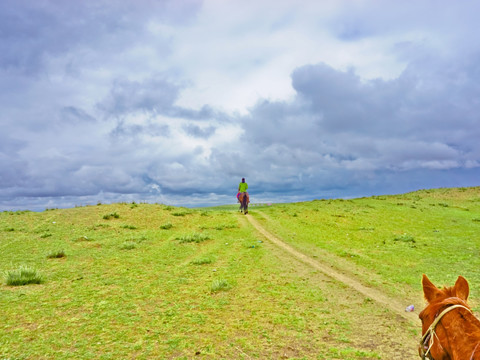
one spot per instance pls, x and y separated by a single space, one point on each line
174 101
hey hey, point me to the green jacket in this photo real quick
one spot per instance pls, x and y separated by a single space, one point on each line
242 187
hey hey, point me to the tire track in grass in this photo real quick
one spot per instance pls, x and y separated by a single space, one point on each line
385 301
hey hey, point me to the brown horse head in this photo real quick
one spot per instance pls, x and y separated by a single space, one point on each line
449 329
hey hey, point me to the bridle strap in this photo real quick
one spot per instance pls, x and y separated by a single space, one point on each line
473 353
431 330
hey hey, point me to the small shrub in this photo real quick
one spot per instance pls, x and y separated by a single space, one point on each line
83 238
225 226
220 285
202 261
130 227
405 238
128 245
195 237
56 254
347 254
180 213
111 215
139 240
23 276
363 228
166 226
44 236
10 229
98 226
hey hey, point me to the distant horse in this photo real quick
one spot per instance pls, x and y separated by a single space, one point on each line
450 330
244 199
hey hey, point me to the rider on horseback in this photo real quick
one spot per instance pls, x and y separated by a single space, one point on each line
242 187
242 193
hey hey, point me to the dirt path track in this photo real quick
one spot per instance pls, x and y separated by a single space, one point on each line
378 296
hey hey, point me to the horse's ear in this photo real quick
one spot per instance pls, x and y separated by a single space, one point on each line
461 288
430 291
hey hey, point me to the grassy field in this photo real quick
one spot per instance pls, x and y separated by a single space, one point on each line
143 281
393 239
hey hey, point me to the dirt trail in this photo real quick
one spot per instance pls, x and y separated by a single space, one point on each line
374 294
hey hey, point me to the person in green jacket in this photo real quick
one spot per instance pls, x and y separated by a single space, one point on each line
243 186
242 189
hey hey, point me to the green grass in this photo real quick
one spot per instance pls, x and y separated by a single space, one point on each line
128 245
166 226
193 238
113 215
24 275
405 238
202 261
411 232
148 293
56 254
220 285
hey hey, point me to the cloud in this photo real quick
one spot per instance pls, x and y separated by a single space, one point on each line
72 114
176 101
34 33
344 126
156 94
197 131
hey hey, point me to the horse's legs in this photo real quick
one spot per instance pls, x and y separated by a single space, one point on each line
245 204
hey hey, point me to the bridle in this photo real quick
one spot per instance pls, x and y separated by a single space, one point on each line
427 340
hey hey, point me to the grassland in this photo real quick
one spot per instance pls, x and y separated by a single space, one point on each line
394 239
143 281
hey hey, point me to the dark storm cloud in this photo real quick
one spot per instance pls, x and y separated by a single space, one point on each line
154 94
197 131
343 132
206 112
73 114
32 32
430 105
131 133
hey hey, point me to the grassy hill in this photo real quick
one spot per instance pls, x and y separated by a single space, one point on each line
142 281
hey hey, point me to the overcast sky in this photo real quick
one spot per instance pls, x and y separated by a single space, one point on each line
175 101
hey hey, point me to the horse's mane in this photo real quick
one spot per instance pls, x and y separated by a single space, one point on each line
436 307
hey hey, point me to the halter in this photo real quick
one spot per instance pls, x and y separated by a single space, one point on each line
429 335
